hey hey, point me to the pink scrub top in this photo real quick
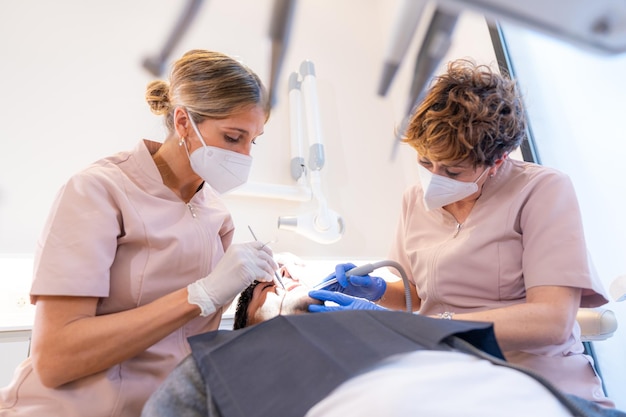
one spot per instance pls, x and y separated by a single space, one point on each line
525 230
116 232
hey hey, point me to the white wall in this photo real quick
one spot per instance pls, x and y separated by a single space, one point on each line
73 89
575 104
73 92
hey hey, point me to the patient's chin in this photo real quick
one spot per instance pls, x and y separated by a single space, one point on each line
298 305
313 301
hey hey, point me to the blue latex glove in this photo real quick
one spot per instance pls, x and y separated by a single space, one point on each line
366 286
346 302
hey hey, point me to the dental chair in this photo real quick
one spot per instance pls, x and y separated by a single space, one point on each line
596 324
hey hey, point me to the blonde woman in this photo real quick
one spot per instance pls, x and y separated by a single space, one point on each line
136 255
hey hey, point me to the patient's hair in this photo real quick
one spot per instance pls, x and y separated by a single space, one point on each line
241 312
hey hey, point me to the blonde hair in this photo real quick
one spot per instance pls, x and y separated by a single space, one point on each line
470 113
209 85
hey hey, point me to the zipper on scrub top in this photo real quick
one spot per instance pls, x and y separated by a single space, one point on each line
458 229
191 210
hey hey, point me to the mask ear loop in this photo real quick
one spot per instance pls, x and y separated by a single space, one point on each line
481 175
195 128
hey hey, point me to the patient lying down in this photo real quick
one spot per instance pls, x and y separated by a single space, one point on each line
427 379
262 301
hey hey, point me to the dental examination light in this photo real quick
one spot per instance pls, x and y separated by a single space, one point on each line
324 225
407 19
156 64
436 44
434 47
280 26
598 25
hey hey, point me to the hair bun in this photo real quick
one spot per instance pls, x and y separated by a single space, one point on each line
157 96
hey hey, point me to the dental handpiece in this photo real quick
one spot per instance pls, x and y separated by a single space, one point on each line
325 284
369 268
358 271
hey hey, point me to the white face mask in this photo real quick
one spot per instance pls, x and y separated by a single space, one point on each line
222 169
440 191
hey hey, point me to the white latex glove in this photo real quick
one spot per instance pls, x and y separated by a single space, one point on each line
242 264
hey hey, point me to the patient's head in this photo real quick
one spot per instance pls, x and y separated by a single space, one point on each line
263 300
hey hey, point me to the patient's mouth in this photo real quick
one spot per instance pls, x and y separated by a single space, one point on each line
292 285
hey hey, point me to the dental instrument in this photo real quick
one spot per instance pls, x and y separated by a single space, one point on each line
280 281
366 269
325 284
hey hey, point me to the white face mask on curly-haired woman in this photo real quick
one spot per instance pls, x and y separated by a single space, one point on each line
440 191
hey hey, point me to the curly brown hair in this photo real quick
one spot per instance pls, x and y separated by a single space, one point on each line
469 114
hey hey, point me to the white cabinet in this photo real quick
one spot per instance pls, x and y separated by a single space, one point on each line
16 313
14 347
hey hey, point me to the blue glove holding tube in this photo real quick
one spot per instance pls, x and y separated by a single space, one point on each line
345 302
365 286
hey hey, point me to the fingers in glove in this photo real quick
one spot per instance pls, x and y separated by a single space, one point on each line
264 260
335 297
340 273
360 281
314 308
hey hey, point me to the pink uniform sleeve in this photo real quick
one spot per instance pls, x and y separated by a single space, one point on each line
554 241
79 241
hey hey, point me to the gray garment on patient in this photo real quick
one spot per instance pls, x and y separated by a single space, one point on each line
183 394
310 354
241 369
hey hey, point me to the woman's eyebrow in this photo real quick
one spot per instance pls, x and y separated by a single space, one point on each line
459 164
241 131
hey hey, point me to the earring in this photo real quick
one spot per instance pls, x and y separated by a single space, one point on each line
181 142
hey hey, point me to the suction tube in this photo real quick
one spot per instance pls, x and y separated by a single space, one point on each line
369 268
